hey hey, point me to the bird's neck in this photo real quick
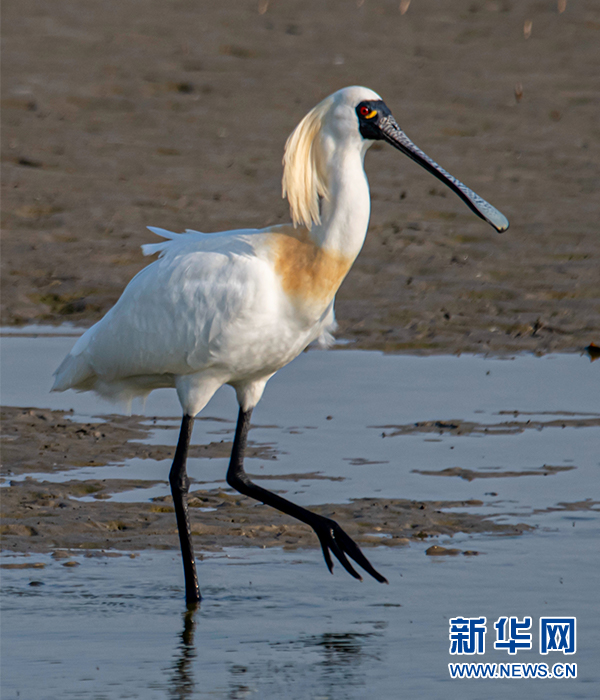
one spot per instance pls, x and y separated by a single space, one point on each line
345 212
311 265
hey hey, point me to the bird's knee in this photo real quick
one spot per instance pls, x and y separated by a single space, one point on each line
238 480
180 483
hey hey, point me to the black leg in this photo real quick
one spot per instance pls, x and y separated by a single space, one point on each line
180 485
331 536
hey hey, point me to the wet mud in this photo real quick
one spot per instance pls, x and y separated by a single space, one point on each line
128 115
42 516
514 427
35 439
119 115
470 474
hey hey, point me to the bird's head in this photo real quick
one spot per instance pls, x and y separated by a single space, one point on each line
359 115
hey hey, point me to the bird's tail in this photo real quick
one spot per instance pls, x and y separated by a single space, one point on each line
152 248
74 372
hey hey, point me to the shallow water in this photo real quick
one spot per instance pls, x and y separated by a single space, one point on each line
326 412
273 623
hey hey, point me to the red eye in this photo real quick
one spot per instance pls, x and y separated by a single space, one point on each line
364 110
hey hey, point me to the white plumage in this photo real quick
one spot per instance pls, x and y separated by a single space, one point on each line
210 311
234 307
223 308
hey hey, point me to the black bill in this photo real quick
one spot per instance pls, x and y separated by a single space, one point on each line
393 134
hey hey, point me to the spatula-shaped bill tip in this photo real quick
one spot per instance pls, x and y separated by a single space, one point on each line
396 137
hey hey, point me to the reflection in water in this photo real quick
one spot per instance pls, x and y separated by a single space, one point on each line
335 671
239 690
182 681
339 648
342 652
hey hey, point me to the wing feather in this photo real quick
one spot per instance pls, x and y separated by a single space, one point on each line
185 312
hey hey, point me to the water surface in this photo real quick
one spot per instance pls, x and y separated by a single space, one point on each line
274 623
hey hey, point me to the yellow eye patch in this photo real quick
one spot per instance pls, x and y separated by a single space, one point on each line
366 112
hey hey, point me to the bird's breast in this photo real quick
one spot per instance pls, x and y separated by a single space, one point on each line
308 274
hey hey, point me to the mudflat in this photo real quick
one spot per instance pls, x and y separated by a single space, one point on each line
117 116
42 515
122 115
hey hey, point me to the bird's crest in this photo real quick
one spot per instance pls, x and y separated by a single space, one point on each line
304 179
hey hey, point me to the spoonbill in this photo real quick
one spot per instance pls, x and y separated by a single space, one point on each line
234 307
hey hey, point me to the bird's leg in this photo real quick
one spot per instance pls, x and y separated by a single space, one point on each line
180 485
331 536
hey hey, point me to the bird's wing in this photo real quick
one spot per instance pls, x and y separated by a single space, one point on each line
199 305
205 241
152 248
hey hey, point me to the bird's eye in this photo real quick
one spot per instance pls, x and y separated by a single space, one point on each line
366 112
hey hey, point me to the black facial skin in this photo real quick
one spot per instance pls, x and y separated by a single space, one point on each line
383 126
368 127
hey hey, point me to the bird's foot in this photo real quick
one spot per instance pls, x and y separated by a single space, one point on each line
334 540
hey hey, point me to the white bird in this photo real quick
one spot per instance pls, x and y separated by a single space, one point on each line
236 306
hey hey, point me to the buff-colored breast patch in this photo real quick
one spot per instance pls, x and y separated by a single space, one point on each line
307 273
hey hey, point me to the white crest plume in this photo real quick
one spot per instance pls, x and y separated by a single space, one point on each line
304 178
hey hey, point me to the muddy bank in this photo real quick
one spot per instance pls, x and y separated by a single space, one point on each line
40 516
41 440
133 114
513 427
